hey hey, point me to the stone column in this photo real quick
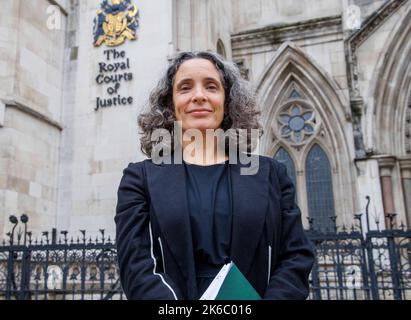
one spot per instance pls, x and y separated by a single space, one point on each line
369 184
405 166
386 165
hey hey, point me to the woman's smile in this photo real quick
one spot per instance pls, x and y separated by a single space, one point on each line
200 112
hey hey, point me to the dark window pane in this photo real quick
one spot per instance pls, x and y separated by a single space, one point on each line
285 130
307 115
319 189
295 111
285 119
308 128
297 136
295 95
297 123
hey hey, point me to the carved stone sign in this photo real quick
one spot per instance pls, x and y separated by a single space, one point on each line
113 72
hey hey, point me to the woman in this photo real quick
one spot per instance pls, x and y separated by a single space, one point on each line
178 223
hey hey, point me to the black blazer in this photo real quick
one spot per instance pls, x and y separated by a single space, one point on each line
154 241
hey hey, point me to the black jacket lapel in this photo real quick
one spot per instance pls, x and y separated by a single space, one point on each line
167 187
250 201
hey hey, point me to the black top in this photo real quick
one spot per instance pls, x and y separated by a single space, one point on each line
209 204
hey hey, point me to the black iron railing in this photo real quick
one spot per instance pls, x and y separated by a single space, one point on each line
63 269
362 264
353 264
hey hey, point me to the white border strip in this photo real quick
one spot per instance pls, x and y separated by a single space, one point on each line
155 263
269 264
162 254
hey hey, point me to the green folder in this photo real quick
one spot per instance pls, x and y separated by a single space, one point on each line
230 284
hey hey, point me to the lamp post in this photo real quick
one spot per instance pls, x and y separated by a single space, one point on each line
10 265
366 213
24 219
25 267
13 220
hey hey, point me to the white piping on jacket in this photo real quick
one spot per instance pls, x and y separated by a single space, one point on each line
162 254
155 263
269 264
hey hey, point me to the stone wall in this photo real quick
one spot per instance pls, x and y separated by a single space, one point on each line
251 14
31 80
199 25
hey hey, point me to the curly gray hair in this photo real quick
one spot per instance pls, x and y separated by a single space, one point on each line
240 106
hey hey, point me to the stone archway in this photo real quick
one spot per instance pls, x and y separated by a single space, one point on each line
392 92
389 120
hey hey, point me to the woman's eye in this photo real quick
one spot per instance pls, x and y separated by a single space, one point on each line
184 88
212 87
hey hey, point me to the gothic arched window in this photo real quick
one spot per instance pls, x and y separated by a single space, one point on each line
283 157
319 189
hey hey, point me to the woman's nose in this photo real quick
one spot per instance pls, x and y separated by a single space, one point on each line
199 96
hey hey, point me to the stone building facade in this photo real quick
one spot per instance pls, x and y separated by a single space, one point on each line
333 79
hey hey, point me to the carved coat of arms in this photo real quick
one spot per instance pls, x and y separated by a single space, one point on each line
115 22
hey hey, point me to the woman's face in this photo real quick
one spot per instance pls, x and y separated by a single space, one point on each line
198 95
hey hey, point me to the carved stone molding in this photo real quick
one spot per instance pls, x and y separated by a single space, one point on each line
405 165
407 131
386 165
13 103
372 23
390 91
277 34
